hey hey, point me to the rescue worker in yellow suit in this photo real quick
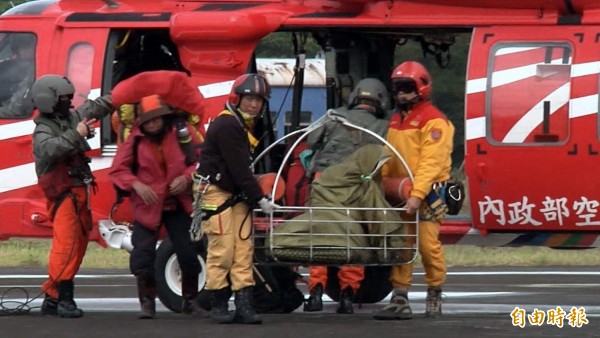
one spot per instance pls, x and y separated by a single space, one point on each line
424 138
368 104
64 175
225 161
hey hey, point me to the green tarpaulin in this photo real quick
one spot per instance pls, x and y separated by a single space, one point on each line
338 233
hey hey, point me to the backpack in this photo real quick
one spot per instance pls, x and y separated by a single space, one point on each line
123 118
454 195
275 290
126 115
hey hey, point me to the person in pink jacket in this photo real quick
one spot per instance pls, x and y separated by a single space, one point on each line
152 166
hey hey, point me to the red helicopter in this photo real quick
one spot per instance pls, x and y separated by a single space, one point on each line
530 126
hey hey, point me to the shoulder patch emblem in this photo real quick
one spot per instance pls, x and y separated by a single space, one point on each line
436 134
414 123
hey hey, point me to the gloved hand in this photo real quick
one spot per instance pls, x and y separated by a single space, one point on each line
267 206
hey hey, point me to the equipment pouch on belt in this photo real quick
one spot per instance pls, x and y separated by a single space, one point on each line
56 183
199 186
434 207
453 194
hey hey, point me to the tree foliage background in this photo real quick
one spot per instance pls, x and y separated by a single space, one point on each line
8 4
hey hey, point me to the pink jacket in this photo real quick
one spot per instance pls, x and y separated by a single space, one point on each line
152 174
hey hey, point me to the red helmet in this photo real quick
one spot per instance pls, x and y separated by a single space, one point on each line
417 72
249 84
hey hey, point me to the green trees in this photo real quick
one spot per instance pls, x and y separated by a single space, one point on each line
6 5
448 84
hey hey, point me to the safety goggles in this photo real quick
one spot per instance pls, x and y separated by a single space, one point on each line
404 85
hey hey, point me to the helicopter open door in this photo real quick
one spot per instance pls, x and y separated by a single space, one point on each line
532 128
79 52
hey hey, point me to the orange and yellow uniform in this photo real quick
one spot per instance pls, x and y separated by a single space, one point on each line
424 138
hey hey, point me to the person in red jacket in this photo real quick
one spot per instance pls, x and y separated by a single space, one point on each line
152 166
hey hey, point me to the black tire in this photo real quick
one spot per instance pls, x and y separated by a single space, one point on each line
373 289
168 276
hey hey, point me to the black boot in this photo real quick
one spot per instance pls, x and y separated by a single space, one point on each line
244 312
190 305
315 300
66 307
219 307
346 298
49 306
146 286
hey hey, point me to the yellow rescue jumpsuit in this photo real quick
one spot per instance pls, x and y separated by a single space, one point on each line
424 138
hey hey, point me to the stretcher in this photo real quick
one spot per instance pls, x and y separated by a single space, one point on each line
334 234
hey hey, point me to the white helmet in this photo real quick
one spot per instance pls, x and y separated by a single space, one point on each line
47 89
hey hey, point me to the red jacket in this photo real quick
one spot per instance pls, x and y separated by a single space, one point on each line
151 173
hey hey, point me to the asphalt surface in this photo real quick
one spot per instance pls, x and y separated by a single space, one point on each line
477 303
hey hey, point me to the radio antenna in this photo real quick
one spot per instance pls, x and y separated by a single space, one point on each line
111 3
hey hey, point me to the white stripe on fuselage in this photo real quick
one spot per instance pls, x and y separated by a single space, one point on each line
24 175
578 107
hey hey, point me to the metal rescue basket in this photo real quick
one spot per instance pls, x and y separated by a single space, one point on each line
331 234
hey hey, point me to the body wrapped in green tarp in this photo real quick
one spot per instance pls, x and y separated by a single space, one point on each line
329 232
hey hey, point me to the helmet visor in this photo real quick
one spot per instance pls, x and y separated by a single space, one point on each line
67 97
404 85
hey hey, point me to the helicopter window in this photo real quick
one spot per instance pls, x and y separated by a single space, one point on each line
79 70
529 88
17 74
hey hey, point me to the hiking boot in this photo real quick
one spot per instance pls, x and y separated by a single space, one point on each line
346 298
397 309
190 304
146 287
219 306
244 312
67 308
50 306
315 300
433 303
147 308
